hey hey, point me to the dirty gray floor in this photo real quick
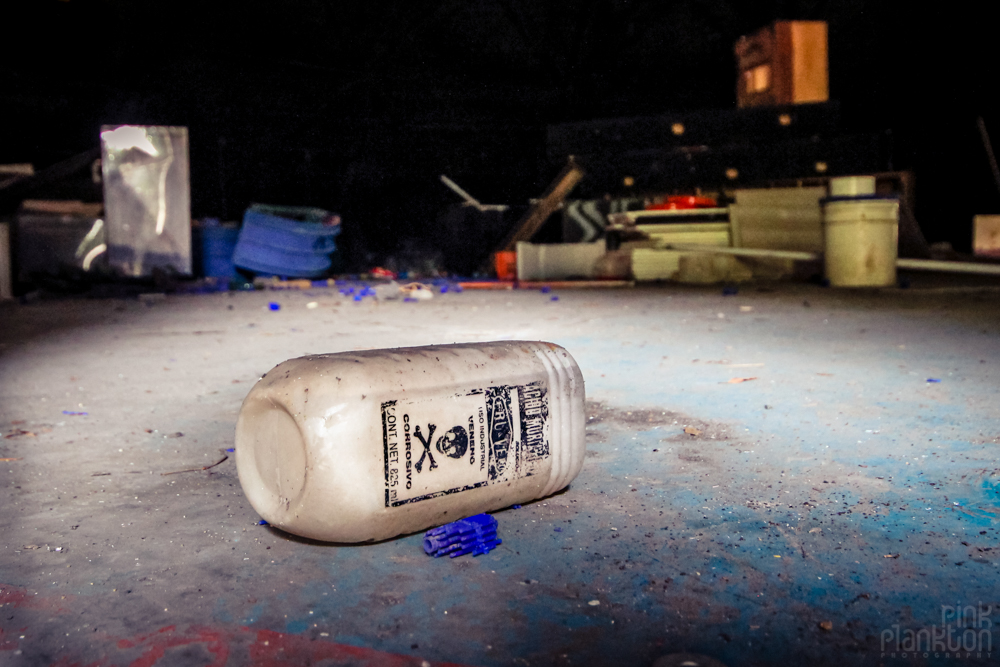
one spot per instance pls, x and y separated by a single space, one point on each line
784 475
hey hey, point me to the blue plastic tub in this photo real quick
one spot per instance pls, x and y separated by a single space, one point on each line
286 241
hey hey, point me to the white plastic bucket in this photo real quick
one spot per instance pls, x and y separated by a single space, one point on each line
861 240
852 186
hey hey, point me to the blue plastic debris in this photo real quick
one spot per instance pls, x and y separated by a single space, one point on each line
546 289
73 414
286 241
274 306
263 523
476 535
555 298
933 380
557 529
231 450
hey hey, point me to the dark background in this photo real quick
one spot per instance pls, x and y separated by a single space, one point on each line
358 107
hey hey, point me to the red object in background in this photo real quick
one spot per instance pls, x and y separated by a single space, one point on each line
505 263
379 272
683 202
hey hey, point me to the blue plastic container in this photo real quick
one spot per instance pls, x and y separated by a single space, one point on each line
475 534
217 246
286 241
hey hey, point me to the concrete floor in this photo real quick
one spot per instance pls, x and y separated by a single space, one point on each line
847 492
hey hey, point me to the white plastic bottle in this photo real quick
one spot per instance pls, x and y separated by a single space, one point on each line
363 446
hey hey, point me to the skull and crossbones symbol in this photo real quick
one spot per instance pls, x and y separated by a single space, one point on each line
454 444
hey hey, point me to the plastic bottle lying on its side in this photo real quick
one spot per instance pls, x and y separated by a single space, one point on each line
363 446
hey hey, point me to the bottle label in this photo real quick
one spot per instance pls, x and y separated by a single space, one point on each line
438 445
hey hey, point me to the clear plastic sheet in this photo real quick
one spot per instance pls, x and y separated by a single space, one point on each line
147 198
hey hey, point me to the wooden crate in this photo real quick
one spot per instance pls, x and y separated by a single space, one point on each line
784 63
703 233
986 235
778 219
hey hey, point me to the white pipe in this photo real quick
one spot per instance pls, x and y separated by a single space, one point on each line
469 199
745 252
954 267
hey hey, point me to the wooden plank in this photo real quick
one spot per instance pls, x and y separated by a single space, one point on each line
550 202
63 207
575 284
6 288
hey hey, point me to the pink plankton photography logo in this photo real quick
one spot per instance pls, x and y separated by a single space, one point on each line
965 632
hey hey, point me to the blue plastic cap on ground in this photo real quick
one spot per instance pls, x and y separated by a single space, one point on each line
274 306
476 535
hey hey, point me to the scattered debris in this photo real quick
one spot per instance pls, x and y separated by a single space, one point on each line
279 284
17 433
263 523
274 305
933 380
594 603
312 304
691 430
175 472
74 414
739 380
178 434
826 625
100 474
891 556
416 292
379 272
476 535
18 458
